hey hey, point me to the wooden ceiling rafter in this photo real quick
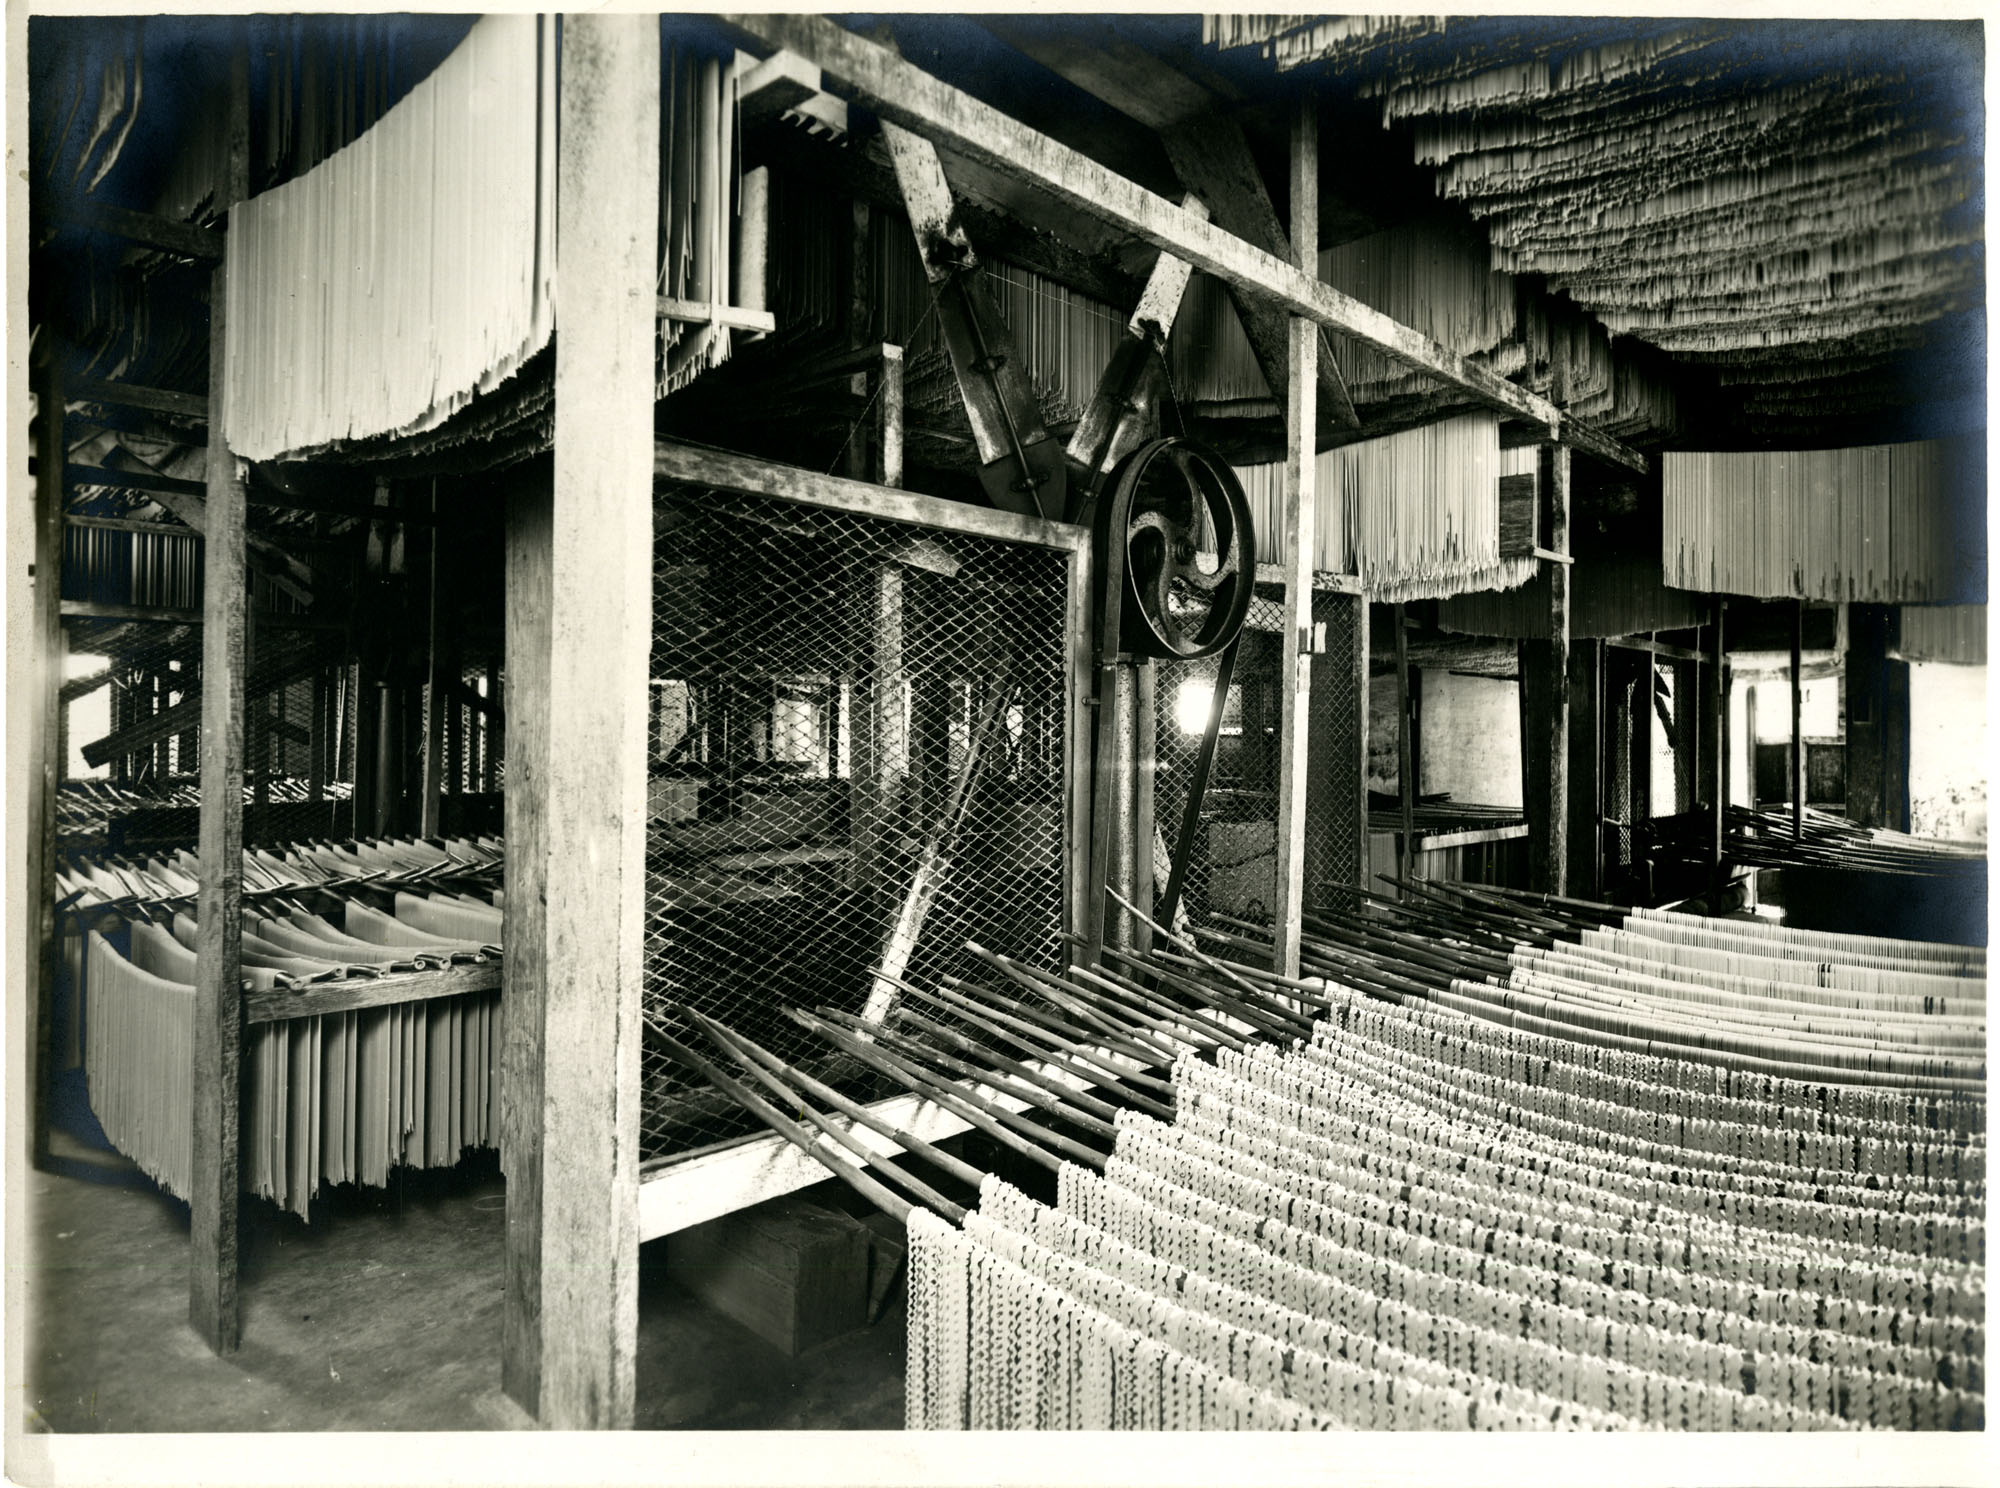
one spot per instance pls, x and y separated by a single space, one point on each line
964 126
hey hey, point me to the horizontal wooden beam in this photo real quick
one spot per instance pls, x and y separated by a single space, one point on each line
908 96
1587 439
169 236
281 1004
262 493
1324 579
133 480
175 528
698 465
87 609
131 395
1658 648
701 312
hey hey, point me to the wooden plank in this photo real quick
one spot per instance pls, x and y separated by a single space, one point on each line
183 239
1080 655
703 312
698 465
1798 733
134 480
1160 302
766 89
356 994
1718 752
1300 538
131 395
1406 770
525 813
1470 837
1588 439
45 741
1323 579
1555 805
581 1253
889 418
907 96
437 672
677 1194
216 1182
1656 648
86 609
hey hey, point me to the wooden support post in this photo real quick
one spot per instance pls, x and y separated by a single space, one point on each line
45 739
1798 712
218 1002
1145 757
889 416
581 616
440 697
1406 770
1718 753
1548 806
860 296
1122 868
1299 545
1587 744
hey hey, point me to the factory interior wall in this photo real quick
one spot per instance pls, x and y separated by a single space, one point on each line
1471 738
1948 751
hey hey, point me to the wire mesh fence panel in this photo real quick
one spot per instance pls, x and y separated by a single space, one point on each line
1232 862
859 735
1336 836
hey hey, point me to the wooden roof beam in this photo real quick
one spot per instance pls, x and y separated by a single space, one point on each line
908 96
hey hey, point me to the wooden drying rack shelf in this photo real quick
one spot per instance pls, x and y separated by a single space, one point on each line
319 999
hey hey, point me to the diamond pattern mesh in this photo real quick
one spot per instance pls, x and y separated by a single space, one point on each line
858 745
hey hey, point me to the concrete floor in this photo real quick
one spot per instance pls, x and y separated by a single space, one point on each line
382 1314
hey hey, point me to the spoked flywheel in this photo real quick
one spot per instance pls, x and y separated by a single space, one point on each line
1176 539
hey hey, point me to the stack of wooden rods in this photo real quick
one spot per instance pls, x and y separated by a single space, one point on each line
1073 1048
1764 839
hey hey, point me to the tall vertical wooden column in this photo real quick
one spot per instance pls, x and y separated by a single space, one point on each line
45 741
1588 790
218 982
579 628
1300 544
1716 716
1798 712
1545 688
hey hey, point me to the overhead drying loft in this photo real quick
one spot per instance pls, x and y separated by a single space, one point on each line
1257 722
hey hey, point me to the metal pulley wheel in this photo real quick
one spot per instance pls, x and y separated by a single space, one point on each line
1176 540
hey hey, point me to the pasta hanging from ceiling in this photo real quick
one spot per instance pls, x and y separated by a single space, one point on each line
1886 523
381 290
1416 515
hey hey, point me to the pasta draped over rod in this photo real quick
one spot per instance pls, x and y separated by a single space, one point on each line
379 291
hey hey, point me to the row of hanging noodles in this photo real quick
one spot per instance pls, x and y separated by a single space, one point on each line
360 306
339 1098
1615 594
133 568
317 83
1415 514
1888 523
1953 633
343 1098
1386 1228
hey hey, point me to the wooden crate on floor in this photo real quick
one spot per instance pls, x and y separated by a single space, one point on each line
790 1271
